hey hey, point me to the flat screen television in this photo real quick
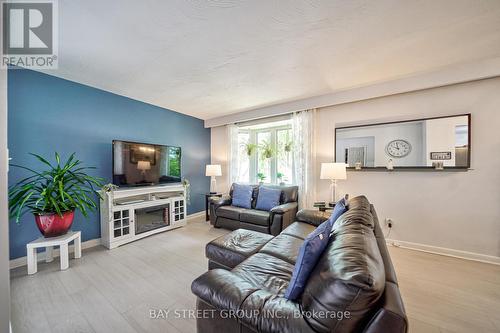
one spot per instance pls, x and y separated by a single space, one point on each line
143 164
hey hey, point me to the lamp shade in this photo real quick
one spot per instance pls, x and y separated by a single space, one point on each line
143 165
333 171
213 170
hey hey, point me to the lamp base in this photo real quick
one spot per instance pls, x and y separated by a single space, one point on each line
213 185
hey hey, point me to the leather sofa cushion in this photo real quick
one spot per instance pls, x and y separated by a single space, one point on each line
299 230
224 290
230 212
254 216
231 249
350 276
284 247
266 272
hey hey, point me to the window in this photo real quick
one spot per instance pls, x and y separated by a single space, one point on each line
266 153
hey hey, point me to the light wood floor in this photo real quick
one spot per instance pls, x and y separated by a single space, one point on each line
113 291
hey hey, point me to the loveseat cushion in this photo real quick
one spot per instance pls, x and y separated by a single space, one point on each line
231 249
230 212
254 216
242 195
268 198
284 247
299 230
266 272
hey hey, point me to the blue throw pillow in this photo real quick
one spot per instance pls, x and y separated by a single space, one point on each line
268 198
339 209
309 254
242 196
311 250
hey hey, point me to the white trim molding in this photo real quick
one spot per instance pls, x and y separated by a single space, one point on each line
444 76
445 251
196 215
22 261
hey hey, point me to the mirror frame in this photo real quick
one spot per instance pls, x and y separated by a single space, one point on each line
410 168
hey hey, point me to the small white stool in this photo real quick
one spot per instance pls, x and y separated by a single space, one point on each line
48 243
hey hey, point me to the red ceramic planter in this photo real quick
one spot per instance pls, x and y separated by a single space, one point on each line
52 225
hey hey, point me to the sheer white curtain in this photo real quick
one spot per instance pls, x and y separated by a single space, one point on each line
304 153
232 158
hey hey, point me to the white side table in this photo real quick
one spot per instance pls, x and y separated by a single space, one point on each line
48 243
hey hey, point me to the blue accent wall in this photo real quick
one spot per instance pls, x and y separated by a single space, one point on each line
48 114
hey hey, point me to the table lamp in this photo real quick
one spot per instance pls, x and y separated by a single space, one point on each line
143 166
333 171
213 170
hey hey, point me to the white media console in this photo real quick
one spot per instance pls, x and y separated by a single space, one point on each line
133 213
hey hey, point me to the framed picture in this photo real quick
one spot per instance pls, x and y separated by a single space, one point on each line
441 155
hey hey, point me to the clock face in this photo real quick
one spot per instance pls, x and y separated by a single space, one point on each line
398 148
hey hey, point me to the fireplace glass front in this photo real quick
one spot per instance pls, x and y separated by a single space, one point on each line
151 218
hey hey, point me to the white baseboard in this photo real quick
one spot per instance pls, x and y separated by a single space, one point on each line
196 215
22 261
445 251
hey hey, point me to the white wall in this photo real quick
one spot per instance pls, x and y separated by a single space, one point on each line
456 210
219 155
4 222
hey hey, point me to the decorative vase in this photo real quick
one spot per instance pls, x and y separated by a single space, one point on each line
53 225
390 164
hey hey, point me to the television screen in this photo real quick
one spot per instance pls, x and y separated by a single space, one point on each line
140 164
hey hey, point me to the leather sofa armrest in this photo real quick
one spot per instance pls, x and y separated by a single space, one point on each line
282 216
282 209
314 217
257 308
391 317
226 200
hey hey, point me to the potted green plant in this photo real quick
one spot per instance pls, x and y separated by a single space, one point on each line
249 148
54 194
279 177
288 146
187 186
267 149
261 178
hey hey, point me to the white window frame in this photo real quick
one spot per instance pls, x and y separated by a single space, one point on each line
254 158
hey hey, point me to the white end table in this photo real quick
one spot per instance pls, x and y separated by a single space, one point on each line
48 243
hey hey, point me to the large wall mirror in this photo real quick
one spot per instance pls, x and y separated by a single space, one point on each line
422 143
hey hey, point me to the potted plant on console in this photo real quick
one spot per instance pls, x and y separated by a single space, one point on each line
54 194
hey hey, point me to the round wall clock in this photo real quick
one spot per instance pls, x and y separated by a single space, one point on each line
398 148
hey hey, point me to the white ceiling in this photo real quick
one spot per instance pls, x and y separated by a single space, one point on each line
208 58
